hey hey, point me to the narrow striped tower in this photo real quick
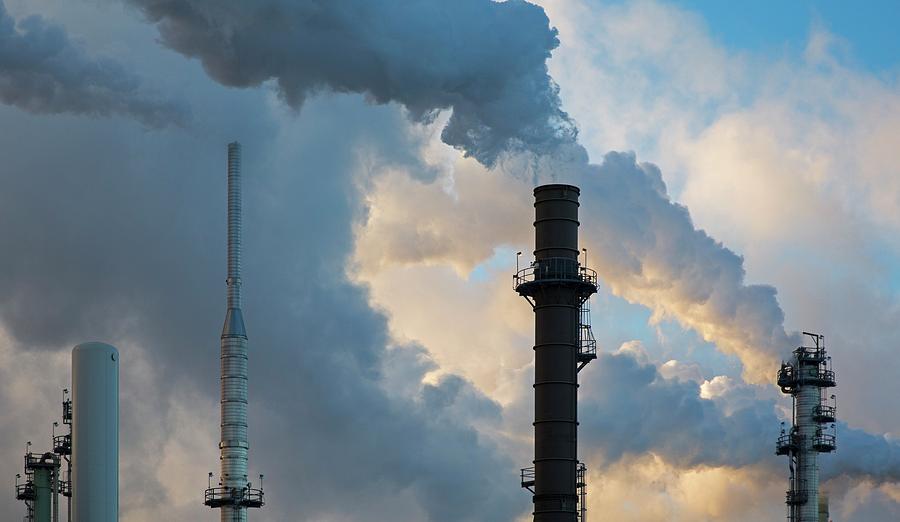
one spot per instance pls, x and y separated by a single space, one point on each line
234 493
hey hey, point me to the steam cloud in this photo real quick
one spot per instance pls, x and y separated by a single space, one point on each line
647 249
485 60
334 410
43 71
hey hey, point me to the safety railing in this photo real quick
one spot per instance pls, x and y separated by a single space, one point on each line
822 379
824 413
587 345
555 269
225 496
785 444
824 442
805 353
62 444
25 491
526 476
787 379
46 460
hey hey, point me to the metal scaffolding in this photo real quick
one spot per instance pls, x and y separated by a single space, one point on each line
43 483
806 377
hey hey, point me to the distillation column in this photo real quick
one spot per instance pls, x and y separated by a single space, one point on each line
41 487
234 494
806 377
46 476
807 399
557 287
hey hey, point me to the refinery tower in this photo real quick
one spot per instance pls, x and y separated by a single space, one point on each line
558 287
234 494
806 378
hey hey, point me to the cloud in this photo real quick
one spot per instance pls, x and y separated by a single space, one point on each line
331 388
430 56
671 419
645 247
647 489
146 248
44 72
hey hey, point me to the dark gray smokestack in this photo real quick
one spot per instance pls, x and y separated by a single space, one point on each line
557 287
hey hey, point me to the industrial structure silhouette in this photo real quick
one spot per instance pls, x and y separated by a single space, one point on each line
557 284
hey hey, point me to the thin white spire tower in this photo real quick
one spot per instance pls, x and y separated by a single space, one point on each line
234 493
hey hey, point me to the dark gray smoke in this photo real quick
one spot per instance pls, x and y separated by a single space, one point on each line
138 259
669 417
485 60
43 71
142 246
627 408
860 453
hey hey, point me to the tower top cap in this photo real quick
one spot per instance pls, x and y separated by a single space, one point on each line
556 186
95 346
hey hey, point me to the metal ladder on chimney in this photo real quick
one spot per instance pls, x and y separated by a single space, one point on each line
587 344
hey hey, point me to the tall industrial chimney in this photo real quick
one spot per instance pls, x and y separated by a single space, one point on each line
234 493
806 377
558 287
95 433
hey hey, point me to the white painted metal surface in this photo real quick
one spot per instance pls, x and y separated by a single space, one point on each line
234 446
95 433
808 469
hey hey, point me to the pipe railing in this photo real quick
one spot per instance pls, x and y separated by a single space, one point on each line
225 496
555 269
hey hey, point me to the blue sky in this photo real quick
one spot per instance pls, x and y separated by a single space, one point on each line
767 26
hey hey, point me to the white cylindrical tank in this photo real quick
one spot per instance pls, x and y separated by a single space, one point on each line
95 433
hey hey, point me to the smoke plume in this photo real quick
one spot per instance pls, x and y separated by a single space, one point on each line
648 250
334 409
43 71
672 419
487 62
484 60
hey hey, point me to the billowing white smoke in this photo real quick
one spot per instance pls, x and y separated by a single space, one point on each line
647 249
43 71
486 61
